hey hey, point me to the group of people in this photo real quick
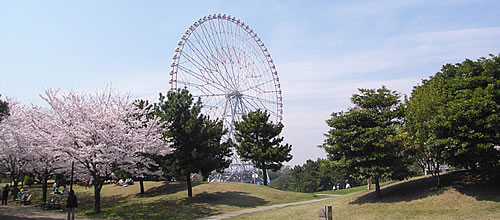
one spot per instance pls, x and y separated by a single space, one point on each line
124 183
71 204
14 191
56 189
337 187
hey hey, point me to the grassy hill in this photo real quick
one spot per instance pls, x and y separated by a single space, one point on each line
464 195
169 200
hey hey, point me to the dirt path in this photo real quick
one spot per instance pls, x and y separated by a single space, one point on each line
264 208
14 212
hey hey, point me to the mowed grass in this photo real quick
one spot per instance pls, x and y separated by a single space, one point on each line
464 195
168 200
362 188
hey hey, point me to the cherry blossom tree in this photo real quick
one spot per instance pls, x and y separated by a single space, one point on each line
104 132
43 139
14 152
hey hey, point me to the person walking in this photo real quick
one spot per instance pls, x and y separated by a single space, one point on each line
71 205
5 194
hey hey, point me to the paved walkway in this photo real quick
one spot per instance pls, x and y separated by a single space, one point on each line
265 208
14 212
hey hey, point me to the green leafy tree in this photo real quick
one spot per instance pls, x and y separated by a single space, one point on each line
421 118
4 109
361 140
196 140
258 141
319 175
216 155
305 178
281 178
465 123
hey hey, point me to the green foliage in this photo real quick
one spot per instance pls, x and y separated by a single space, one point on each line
421 118
257 140
28 180
281 178
195 138
4 109
455 114
316 176
362 140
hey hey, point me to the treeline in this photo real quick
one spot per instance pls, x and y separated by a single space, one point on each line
451 119
313 176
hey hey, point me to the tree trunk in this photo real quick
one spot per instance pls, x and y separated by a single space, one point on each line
377 187
188 182
141 183
15 190
264 176
97 194
369 183
44 190
438 180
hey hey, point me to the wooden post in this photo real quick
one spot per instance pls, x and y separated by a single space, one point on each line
325 213
71 183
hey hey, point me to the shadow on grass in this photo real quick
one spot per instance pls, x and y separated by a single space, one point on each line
201 205
163 209
482 186
167 188
233 198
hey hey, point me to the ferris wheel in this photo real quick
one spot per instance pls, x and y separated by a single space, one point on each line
222 61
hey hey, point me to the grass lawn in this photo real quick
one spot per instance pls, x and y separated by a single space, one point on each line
362 188
168 200
464 195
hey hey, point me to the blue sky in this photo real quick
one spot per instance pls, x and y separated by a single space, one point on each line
323 50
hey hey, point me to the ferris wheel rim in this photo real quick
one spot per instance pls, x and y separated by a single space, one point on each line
278 114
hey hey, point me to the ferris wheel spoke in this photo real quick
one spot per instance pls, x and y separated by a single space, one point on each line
200 77
212 95
211 51
214 58
195 63
200 55
200 88
221 52
230 58
211 44
262 100
257 86
252 104
208 60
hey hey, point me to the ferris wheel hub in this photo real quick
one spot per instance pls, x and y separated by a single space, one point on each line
235 94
